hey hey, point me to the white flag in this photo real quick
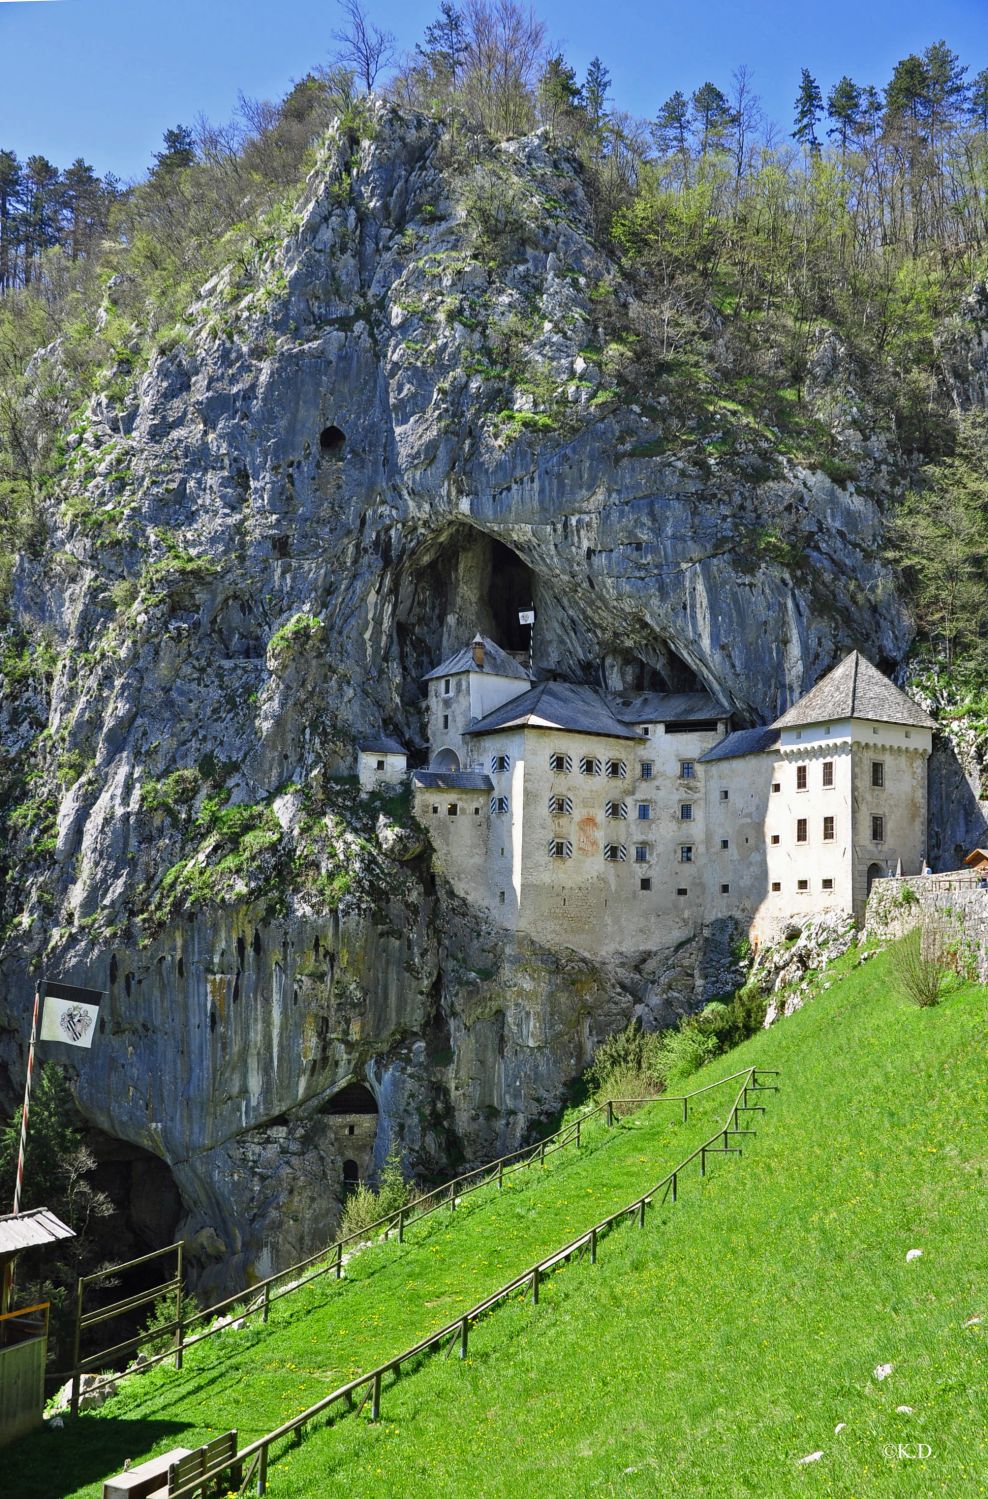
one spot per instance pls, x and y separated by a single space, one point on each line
69 1020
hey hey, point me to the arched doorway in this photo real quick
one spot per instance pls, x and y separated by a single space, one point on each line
351 1177
446 759
875 872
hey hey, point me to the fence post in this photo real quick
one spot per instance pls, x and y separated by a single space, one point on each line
610 1113
262 1472
641 1213
464 1331
703 1160
500 1175
452 1201
76 1348
578 1134
267 1301
686 1110
180 1330
542 1153
339 1259
376 1399
674 1186
535 1286
401 1225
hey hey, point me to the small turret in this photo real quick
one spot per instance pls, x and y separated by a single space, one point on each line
477 646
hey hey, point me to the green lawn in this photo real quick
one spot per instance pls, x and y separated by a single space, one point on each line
703 1356
256 1378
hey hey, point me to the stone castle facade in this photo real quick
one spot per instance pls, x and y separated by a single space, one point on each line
609 823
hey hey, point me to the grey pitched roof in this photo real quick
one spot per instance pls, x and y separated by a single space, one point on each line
453 780
25 1230
497 663
381 746
854 689
556 705
743 742
667 707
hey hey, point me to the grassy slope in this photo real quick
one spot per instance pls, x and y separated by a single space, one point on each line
395 1294
703 1356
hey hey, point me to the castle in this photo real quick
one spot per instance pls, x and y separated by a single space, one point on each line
608 822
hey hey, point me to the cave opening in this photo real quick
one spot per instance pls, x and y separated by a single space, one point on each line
354 1098
332 442
656 666
464 582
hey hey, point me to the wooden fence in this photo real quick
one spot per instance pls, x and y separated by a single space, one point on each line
327 1261
255 1456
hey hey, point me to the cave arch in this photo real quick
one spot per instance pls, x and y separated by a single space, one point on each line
354 1098
332 441
447 760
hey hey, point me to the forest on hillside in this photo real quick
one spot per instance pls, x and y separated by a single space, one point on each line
749 243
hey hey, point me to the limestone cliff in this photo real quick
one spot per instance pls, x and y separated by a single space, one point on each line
411 412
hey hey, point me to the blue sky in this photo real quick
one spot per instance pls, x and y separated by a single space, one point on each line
103 78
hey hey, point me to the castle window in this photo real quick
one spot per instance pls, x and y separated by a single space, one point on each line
499 804
616 809
878 829
645 730
641 853
646 770
476 811
725 889
644 811
500 897
828 772
724 793
686 811
589 765
561 805
615 853
827 884
682 890
445 720
617 769
802 830
802 885
801 777
776 886
380 764
435 809
560 848
686 853
646 883
560 763
724 843
447 686
775 838
687 770
828 830
776 785
878 773
452 809
500 763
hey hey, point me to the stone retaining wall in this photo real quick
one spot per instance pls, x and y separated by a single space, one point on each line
896 905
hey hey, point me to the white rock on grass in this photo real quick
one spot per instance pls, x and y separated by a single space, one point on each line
904 1410
913 1254
973 1322
883 1371
811 1457
839 1427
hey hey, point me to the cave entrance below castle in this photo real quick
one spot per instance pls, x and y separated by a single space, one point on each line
353 1113
460 583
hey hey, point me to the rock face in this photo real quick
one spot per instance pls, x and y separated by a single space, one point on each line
388 432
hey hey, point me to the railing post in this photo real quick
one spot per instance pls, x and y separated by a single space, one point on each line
180 1330
262 1472
703 1160
641 1213
610 1113
542 1153
452 1201
267 1301
401 1225
674 1186
578 1134
76 1348
376 1398
500 1175
339 1259
593 1246
686 1110
535 1286
464 1333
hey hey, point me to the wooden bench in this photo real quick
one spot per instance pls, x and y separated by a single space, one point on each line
147 1479
210 1463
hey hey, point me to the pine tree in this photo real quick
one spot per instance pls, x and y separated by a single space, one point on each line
672 126
559 93
595 86
446 43
81 203
713 116
809 107
844 108
40 213
10 202
977 108
179 152
907 97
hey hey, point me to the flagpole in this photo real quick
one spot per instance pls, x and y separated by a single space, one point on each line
8 1278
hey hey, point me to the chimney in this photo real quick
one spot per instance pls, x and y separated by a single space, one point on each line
478 651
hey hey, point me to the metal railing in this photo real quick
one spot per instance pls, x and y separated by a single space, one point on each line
328 1260
255 1456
